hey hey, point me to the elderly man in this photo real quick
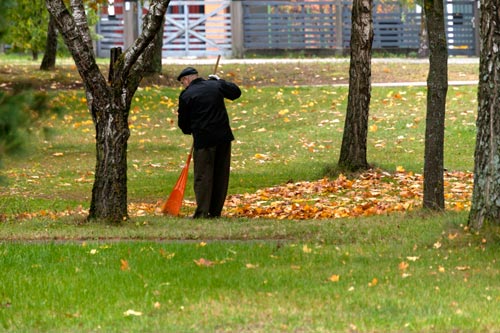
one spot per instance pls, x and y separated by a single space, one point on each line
202 113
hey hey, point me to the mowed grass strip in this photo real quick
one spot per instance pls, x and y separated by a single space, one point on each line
400 273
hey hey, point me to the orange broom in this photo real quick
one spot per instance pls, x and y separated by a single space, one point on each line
174 202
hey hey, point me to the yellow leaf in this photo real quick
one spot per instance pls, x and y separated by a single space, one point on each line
334 278
399 168
132 313
306 249
251 266
373 283
261 156
166 254
462 268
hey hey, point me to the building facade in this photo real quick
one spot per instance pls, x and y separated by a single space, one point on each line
201 28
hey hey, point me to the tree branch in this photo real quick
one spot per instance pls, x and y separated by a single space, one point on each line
80 17
82 55
155 16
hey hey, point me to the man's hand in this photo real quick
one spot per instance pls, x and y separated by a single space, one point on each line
214 77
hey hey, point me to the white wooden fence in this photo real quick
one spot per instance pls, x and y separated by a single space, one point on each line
200 28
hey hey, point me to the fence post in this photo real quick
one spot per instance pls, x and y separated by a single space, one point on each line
130 24
476 27
237 29
339 26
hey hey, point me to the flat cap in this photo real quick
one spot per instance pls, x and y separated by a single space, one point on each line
187 71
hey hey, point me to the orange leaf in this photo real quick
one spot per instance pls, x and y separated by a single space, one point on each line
202 262
124 265
334 278
403 265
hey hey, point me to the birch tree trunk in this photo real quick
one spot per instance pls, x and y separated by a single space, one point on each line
437 88
353 149
485 207
109 105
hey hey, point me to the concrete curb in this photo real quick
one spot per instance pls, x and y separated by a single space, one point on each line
210 61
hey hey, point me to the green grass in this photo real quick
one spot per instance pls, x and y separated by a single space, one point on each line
395 273
416 271
282 134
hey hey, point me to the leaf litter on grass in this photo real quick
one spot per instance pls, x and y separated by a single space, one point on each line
373 192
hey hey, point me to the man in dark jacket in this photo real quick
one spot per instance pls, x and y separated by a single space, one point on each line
202 113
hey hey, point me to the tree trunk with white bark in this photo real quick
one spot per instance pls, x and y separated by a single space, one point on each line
109 104
485 207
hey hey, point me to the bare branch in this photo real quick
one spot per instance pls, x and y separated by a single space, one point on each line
155 15
82 55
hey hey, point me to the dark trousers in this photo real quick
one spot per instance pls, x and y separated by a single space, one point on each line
211 179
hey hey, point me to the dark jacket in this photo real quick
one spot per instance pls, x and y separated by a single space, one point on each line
202 111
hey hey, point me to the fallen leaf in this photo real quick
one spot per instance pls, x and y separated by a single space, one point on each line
124 265
403 266
334 278
132 313
202 262
462 268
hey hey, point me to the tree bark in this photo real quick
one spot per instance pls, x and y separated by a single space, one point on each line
153 55
49 57
78 11
353 149
485 207
109 105
437 88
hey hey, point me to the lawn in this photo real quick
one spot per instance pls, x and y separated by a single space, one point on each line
366 267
